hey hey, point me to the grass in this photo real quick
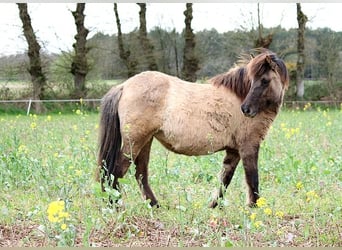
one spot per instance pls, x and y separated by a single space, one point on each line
50 158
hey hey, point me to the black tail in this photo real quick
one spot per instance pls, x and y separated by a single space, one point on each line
110 136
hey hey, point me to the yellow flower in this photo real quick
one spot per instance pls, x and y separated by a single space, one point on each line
22 149
279 214
78 172
268 211
63 226
307 106
252 216
48 118
33 125
55 211
261 202
257 224
299 185
78 112
311 195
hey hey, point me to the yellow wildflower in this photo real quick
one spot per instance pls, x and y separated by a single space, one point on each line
33 125
78 112
56 211
48 118
78 172
307 106
299 185
252 216
268 211
261 202
311 195
257 224
279 214
22 149
63 226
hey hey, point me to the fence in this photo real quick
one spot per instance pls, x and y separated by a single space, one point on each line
287 104
30 101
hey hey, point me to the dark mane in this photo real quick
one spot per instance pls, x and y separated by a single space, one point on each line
235 79
238 79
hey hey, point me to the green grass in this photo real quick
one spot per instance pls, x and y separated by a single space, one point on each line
53 157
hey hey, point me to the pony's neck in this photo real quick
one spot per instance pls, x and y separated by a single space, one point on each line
235 79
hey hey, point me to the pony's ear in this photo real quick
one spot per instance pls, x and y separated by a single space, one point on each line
270 62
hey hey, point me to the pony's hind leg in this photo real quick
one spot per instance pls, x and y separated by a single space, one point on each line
141 173
230 162
119 171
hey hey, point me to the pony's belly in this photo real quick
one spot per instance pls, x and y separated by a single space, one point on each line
190 145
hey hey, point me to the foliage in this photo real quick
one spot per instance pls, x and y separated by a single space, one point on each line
217 52
48 162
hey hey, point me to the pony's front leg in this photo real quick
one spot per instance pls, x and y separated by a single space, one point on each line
249 157
230 162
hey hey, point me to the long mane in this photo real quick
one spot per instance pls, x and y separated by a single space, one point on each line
235 79
238 79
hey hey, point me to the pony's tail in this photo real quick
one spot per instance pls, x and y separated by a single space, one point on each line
109 136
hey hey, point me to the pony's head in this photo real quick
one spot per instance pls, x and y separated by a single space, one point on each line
268 79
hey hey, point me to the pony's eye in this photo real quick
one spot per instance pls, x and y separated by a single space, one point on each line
265 81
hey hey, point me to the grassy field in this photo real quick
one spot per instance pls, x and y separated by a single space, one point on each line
49 196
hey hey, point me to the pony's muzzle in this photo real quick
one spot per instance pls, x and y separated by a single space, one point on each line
247 111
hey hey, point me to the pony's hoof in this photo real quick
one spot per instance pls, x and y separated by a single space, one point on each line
213 204
252 205
154 204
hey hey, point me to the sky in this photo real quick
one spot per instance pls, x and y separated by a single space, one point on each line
55 28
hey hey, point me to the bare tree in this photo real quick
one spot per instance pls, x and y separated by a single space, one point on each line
262 41
145 42
35 69
79 65
125 54
302 19
190 61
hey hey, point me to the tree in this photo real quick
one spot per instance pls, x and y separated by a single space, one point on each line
130 64
190 61
145 42
79 65
262 41
35 69
302 19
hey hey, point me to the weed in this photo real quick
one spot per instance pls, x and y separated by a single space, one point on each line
51 159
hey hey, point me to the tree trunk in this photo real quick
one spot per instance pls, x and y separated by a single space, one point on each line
190 61
131 65
79 65
302 19
175 49
262 42
145 42
35 69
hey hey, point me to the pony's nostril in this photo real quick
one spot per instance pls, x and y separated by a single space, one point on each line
245 109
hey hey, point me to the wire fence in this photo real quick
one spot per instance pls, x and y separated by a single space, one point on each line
287 104
30 101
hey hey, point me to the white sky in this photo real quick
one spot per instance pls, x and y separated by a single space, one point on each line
55 28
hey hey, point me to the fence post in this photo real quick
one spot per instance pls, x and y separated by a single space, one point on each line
29 107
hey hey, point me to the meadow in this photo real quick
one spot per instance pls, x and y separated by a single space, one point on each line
49 196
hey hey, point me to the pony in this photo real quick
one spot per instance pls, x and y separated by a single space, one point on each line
232 112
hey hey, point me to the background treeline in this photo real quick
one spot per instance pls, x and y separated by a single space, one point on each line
217 52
